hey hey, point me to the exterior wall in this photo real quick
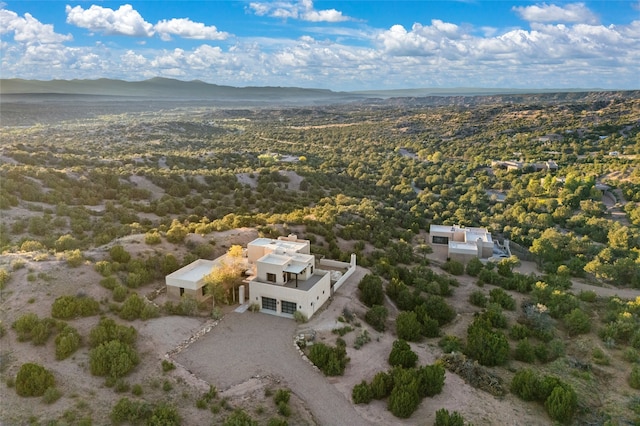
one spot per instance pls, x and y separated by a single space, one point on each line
254 253
308 302
460 257
346 275
265 268
174 293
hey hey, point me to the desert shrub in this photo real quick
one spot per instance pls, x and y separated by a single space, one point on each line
275 421
254 307
51 395
152 238
361 393
31 245
478 298
588 296
119 254
450 344
239 417
74 258
167 365
438 308
167 386
381 385
132 307
493 314
149 311
402 355
525 384
330 360
284 409
67 342
136 389
445 418
342 330
488 347
502 298
5 276
132 412
362 339
430 326
577 322
634 377
24 325
119 293
376 317
121 386
68 307
371 292
562 403
109 282
631 355
403 401
453 267
408 327
113 359
474 266
430 379
104 268
282 395
519 332
300 317
33 380
42 330
524 351
107 330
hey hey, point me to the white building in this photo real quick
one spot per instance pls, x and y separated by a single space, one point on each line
189 280
463 243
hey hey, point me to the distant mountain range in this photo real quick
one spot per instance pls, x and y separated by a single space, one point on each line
199 90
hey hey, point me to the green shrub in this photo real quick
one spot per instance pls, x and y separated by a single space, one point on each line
119 254
478 298
164 414
562 404
430 326
430 379
104 268
402 355
107 330
109 282
371 292
112 359
588 296
5 276
634 377
502 298
67 342
408 327
167 365
376 317
361 393
68 307
275 421
24 325
167 386
132 307
403 401
474 266
300 317
493 314
152 238
121 386
525 384
51 395
381 385
438 308
282 395
239 417
119 293
450 344
284 409
445 418
524 351
519 332
577 322
33 380
488 347
330 360
74 258
362 339
453 267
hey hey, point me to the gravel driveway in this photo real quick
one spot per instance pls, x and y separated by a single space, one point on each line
244 345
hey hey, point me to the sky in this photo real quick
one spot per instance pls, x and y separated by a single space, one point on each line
337 45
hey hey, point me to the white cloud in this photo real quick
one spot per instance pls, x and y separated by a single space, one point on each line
186 28
302 10
124 21
573 12
29 30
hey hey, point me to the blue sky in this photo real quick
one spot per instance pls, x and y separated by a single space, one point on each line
338 45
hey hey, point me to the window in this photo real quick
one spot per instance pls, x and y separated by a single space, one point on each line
288 307
204 290
439 240
271 277
311 269
181 291
269 303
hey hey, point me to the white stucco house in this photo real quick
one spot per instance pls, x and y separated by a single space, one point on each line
462 243
282 276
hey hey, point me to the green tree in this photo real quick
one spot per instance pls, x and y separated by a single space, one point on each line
577 322
371 292
113 359
376 317
408 327
67 342
402 355
488 347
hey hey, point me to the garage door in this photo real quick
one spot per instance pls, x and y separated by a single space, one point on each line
288 307
269 303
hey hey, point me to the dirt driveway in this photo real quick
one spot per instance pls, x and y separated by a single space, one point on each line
245 345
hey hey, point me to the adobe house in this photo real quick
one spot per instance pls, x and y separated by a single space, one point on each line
189 280
463 244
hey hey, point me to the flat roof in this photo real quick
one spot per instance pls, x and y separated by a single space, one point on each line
275 259
281 244
463 248
193 272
